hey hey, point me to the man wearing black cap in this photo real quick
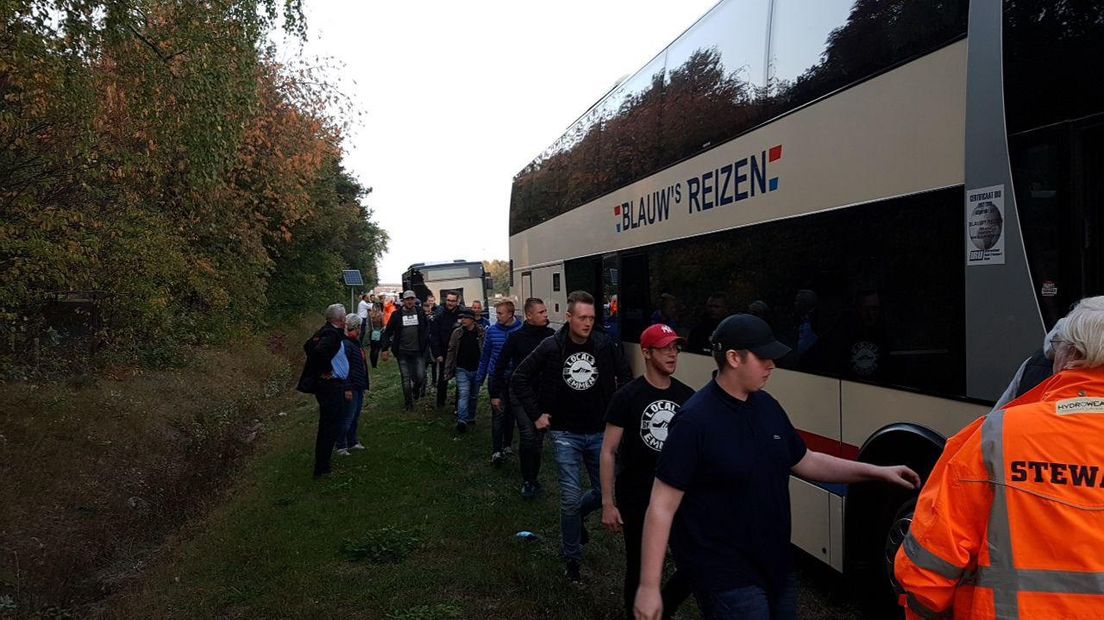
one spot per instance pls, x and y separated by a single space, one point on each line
725 469
462 362
408 331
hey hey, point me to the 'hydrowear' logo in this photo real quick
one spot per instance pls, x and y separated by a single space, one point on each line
1071 406
720 187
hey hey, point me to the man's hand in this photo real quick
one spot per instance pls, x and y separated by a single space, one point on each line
496 404
348 396
649 604
611 518
901 476
543 422
440 359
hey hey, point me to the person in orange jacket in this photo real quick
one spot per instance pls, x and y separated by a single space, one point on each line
1011 522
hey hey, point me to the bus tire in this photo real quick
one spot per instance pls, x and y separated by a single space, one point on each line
874 510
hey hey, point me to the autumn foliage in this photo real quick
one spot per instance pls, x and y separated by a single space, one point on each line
154 151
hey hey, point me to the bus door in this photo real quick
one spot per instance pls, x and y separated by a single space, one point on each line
1059 197
526 285
1088 204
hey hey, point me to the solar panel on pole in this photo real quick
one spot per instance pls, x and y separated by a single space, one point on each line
353 277
353 280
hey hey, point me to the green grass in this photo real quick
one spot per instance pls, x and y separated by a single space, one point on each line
419 525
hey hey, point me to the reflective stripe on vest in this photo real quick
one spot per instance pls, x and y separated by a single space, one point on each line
1001 575
921 557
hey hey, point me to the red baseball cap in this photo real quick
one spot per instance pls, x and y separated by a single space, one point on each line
658 336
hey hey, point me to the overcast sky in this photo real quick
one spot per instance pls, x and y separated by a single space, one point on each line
459 96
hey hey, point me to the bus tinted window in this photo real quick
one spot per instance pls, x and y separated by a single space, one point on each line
715 79
1051 53
870 293
713 84
818 47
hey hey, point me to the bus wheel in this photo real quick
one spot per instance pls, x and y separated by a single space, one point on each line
895 537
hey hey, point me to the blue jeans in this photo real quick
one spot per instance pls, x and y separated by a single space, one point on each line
468 399
572 450
347 437
750 603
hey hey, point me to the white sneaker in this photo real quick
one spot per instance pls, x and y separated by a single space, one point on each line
341 452
359 446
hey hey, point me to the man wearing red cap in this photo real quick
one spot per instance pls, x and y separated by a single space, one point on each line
636 427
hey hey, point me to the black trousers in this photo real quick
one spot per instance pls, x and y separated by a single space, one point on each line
442 384
530 444
331 410
677 589
502 426
374 352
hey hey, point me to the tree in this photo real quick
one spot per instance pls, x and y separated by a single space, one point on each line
499 270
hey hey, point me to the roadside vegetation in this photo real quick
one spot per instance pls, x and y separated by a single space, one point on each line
172 198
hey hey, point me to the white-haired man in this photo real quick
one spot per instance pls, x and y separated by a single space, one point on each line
318 378
1009 523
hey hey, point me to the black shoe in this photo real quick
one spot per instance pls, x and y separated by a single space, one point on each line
572 572
496 459
408 407
530 490
461 427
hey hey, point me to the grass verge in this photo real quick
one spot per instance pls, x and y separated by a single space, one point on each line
418 526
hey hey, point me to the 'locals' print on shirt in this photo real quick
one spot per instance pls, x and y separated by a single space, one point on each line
580 371
655 421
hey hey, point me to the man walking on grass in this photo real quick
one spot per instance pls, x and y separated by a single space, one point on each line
518 347
636 427
407 331
502 422
566 385
444 322
723 481
464 349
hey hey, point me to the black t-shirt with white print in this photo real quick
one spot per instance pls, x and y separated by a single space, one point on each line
580 398
644 412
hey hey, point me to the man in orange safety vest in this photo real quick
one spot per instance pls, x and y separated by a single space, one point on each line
1011 522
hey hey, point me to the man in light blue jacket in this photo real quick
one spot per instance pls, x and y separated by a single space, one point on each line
502 420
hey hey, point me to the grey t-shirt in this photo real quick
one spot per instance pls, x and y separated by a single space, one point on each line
408 336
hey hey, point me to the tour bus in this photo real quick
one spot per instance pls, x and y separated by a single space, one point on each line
465 278
908 191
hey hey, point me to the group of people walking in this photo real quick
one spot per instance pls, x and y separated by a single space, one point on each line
705 472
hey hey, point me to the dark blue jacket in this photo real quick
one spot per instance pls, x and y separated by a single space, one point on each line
358 368
518 346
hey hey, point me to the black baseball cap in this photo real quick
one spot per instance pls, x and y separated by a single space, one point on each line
465 313
739 332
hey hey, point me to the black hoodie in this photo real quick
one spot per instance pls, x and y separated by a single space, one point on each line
538 382
518 346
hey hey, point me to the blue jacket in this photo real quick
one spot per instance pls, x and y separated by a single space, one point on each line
492 346
358 370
